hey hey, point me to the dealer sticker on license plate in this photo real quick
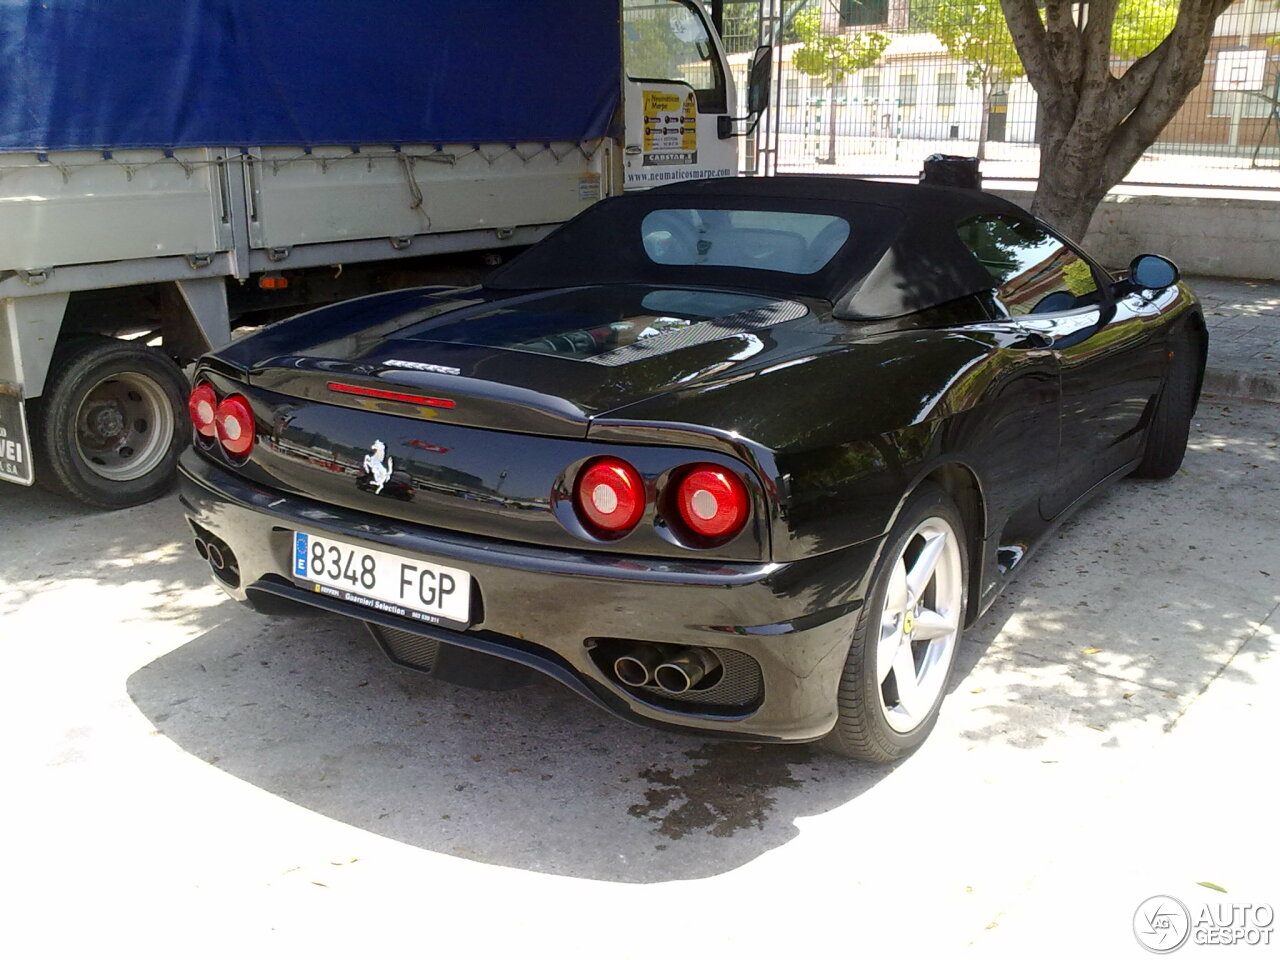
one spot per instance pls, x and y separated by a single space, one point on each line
383 581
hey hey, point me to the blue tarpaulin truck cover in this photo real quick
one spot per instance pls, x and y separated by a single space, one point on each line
101 74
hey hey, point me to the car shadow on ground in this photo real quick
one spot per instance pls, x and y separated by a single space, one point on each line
1106 637
534 778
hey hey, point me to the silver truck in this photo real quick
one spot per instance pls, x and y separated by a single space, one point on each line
135 235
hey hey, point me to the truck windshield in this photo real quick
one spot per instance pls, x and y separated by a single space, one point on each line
666 40
781 240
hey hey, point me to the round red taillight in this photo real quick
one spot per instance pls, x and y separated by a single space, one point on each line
201 406
610 495
713 502
234 422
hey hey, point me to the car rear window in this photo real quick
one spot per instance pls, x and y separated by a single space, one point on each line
784 241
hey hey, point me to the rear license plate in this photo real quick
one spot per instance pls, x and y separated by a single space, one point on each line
15 446
383 581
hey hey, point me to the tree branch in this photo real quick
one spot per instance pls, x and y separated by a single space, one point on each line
1096 44
1064 38
1176 67
1033 45
1130 89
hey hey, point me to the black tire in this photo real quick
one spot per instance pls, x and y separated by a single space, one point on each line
1166 442
862 730
93 466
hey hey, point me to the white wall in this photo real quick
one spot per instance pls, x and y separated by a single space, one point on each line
1213 237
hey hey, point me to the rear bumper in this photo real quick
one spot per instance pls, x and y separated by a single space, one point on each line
540 606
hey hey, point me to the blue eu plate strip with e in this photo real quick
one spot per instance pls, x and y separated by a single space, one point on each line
299 554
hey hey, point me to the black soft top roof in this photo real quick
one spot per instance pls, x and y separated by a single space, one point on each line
903 253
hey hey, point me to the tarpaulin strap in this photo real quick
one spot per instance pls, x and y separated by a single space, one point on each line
497 156
406 164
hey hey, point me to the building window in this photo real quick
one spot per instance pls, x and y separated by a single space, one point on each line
870 87
863 13
793 91
907 89
946 89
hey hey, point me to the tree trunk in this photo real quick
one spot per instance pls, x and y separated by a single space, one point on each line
1070 185
831 119
1095 125
984 120
1064 204
831 130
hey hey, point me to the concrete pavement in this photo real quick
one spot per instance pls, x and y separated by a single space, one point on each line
1243 317
184 776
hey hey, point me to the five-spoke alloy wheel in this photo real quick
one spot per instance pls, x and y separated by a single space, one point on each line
900 660
919 623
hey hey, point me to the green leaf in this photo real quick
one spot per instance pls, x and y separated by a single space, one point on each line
1211 886
833 56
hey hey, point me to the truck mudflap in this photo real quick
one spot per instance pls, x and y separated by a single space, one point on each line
15 442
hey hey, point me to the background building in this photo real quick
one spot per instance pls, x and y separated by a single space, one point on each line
920 98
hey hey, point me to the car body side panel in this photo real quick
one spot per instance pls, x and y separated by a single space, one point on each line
852 431
1110 380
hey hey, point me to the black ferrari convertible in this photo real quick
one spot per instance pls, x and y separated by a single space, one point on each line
741 456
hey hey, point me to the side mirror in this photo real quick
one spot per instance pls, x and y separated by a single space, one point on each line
759 86
1150 272
760 80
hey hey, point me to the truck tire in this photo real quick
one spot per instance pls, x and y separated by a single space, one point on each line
111 422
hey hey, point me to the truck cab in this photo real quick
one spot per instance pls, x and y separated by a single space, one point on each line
676 95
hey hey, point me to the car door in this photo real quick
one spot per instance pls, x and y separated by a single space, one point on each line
1110 377
1108 358
1011 436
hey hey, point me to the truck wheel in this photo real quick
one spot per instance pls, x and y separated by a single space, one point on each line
107 430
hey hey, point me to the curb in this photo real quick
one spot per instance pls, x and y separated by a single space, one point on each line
1238 385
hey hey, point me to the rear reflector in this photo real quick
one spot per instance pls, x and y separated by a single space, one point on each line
713 502
610 495
234 422
391 395
200 407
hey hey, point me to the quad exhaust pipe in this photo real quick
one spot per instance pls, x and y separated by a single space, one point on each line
643 666
685 670
211 552
635 668
216 559
218 555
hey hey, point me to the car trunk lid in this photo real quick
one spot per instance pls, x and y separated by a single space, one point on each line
543 363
